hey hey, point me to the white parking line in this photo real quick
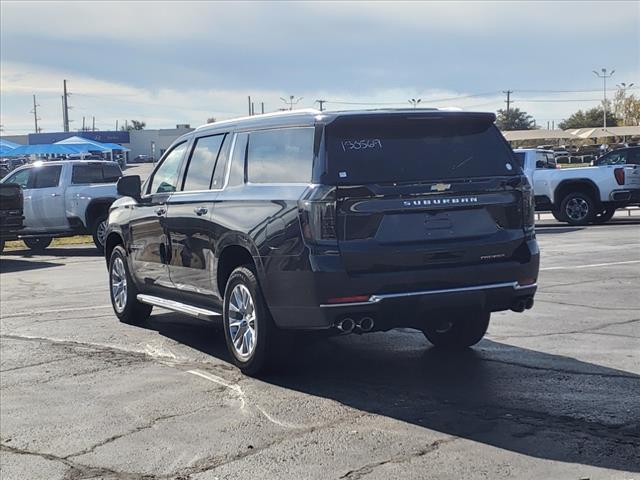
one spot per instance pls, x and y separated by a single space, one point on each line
61 310
593 265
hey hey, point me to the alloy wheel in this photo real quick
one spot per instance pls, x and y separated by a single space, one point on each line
119 285
577 209
242 321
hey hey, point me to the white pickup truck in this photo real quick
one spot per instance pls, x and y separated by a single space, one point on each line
579 196
65 198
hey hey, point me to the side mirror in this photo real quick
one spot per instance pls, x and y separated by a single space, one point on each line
129 186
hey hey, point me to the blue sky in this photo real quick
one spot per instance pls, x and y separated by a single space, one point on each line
182 62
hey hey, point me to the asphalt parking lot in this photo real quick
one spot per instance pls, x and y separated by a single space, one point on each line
550 393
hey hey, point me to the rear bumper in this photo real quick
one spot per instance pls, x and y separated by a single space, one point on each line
299 300
631 196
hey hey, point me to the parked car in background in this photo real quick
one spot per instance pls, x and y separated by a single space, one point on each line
11 219
337 222
11 163
65 198
142 159
579 196
621 156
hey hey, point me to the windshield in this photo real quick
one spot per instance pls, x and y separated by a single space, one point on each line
379 150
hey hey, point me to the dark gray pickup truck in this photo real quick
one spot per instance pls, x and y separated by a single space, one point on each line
11 217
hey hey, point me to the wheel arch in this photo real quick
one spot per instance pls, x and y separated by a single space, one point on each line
112 241
235 251
584 185
95 208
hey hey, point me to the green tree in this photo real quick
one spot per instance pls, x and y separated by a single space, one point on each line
626 107
211 120
588 119
514 119
137 125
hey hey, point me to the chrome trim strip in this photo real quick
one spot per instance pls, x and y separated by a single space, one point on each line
374 299
197 312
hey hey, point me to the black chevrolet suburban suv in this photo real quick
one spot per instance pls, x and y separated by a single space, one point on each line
332 221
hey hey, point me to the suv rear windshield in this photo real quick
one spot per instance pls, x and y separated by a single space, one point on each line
409 149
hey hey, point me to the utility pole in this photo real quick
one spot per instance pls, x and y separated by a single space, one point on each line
321 103
35 114
64 117
116 125
291 101
262 108
253 112
93 125
604 75
508 100
249 98
83 128
65 106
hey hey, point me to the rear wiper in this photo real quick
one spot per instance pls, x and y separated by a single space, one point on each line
462 163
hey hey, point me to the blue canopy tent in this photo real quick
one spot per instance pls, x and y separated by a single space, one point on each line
6 146
43 149
88 145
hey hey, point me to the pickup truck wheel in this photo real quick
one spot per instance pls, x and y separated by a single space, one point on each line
1 246
123 291
252 338
99 232
578 208
458 331
37 244
558 216
604 216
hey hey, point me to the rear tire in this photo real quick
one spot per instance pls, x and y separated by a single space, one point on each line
604 216
578 208
253 340
37 244
123 292
98 231
558 216
461 330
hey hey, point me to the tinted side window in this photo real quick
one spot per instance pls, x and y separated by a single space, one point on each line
86 174
221 165
111 172
236 170
21 178
633 156
520 158
280 156
47 177
166 176
202 163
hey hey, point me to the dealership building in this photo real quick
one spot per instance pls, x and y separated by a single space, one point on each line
141 142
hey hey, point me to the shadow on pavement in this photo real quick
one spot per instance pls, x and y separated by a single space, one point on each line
533 403
9 265
75 251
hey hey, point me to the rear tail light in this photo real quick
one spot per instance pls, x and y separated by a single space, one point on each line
528 207
317 210
352 299
619 174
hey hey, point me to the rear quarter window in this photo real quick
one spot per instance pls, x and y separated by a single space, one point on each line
282 155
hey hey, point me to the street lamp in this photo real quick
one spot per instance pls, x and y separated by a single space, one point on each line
622 87
604 75
415 102
291 101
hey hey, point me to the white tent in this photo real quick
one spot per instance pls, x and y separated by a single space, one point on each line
539 134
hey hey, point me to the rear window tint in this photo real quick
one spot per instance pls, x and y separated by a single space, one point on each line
96 173
381 150
282 155
47 177
202 163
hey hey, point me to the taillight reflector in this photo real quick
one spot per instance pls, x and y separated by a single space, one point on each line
353 299
619 174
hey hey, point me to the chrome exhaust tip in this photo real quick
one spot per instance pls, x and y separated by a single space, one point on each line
346 325
366 324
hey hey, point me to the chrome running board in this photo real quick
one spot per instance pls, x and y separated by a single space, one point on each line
174 306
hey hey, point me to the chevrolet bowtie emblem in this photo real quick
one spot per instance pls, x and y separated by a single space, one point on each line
440 187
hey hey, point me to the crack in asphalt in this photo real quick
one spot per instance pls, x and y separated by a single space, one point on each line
587 306
562 370
583 330
370 467
13 369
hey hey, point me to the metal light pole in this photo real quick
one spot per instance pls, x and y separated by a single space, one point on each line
415 102
604 77
291 101
623 88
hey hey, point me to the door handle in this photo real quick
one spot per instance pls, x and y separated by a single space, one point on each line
200 210
55 194
160 211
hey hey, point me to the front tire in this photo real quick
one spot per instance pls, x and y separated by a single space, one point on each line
37 244
99 231
251 336
123 292
578 208
461 330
